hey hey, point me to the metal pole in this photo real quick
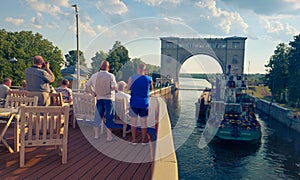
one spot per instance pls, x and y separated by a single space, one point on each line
78 56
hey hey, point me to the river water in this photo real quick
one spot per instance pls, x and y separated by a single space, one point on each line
276 157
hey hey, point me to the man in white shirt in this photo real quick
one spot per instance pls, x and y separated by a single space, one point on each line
103 85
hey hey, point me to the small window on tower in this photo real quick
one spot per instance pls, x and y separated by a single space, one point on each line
235 59
235 44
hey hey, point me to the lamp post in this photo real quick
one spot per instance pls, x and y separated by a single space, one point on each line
78 58
12 60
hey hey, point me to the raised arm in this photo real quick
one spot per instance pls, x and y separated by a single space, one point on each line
50 72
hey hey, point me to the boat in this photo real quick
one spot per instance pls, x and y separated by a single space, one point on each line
202 106
228 111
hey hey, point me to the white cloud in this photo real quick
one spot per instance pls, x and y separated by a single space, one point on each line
276 26
14 21
174 20
101 28
273 26
112 7
291 30
112 33
227 21
85 26
52 26
158 2
53 9
265 7
295 4
37 21
64 3
129 34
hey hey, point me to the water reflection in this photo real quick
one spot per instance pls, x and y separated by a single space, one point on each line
233 151
281 148
276 157
172 100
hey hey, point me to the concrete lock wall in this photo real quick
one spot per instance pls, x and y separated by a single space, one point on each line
278 113
161 91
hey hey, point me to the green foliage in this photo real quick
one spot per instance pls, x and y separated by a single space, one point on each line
152 69
120 63
277 71
24 46
71 58
117 57
294 70
125 71
97 59
283 72
196 76
130 68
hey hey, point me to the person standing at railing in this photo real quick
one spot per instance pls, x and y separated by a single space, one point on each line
140 86
38 78
103 85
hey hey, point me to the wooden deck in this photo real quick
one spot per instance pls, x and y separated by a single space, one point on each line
87 158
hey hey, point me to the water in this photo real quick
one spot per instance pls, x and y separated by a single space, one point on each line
276 157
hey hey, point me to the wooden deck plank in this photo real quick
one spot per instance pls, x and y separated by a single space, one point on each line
84 160
51 158
81 158
55 161
120 168
57 169
143 168
88 159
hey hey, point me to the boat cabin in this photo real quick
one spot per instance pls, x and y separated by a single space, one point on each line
233 108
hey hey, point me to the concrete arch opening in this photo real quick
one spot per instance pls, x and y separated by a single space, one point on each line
200 64
226 51
195 68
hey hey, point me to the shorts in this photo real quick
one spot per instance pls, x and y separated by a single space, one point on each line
135 112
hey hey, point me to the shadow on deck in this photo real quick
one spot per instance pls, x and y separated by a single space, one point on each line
87 158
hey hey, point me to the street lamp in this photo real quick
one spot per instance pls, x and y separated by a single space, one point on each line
12 60
77 37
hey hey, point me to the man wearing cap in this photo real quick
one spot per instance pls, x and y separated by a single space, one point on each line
103 85
38 78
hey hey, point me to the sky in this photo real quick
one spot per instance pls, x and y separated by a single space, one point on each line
139 25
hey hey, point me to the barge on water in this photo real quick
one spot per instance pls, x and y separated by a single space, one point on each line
228 115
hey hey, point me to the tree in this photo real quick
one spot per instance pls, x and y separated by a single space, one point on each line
117 57
125 71
294 71
24 46
277 71
97 59
120 64
71 58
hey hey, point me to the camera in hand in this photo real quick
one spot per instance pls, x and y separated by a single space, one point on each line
44 65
